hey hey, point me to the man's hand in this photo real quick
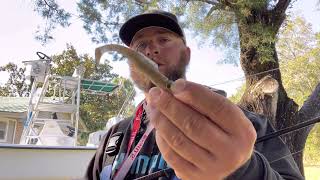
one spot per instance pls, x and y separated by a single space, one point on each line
201 134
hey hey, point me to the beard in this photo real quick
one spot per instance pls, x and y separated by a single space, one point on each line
173 73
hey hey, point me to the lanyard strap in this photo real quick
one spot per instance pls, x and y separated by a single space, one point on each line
124 169
135 127
126 165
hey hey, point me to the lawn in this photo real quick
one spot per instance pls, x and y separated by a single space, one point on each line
312 172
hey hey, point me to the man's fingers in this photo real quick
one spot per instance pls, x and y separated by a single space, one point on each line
218 108
181 144
175 161
191 123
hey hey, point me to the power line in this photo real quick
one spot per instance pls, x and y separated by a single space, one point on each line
243 78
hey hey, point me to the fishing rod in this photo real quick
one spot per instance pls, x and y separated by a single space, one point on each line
166 172
288 130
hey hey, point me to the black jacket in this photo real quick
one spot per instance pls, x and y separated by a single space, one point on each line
271 160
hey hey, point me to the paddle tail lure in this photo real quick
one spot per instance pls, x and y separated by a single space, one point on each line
142 63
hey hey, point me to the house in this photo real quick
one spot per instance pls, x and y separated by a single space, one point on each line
13 113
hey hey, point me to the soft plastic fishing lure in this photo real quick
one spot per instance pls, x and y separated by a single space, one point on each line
142 63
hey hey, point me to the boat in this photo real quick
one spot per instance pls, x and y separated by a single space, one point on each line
38 134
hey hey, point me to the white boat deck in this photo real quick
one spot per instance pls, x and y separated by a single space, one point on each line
26 162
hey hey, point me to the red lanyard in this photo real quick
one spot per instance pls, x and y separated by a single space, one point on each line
125 166
136 126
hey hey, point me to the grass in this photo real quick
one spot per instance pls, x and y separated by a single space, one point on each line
312 172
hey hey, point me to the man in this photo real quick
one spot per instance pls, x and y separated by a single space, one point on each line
197 132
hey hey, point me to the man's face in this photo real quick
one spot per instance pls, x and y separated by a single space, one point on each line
163 47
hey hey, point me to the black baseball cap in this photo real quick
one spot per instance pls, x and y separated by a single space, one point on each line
152 18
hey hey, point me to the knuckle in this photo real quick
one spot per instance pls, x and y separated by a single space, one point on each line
178 140
221 104
171 157
191 124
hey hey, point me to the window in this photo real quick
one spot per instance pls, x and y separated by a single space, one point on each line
3 130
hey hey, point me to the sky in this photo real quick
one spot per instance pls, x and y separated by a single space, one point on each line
17 43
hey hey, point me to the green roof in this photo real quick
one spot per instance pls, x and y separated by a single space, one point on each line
20 104
17 104
14 104
97 86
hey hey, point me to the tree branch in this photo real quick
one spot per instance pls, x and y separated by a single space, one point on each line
141 3
214 3
278 13
310 108
50 7
281 7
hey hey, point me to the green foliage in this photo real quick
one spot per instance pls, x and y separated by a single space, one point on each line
83 138
295 39
53 15
235 98
301 75
214 22
4 91
102 19
299 54
16 84
260 36
95 110
311 152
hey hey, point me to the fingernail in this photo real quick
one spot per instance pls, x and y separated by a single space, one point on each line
178 86
154 94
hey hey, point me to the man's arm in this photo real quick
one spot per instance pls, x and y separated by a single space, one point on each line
99 159
259 168
95 165
271 159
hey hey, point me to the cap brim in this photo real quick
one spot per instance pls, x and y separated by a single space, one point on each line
135 24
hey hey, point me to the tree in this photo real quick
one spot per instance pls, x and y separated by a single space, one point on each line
299 50
295 39
53 15
4 91
16 85
251 26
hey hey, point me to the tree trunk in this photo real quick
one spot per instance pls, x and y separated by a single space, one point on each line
266 95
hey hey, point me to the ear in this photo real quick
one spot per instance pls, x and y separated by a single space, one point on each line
188 54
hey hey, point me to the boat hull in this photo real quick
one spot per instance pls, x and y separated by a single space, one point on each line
43 162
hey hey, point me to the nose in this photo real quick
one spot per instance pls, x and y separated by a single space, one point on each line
152 50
